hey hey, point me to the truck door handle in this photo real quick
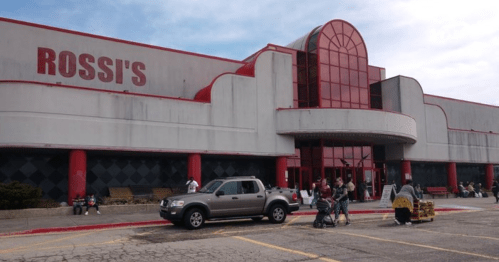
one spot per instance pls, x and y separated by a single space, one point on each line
235 198
259 196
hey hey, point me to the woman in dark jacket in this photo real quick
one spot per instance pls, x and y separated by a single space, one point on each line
340 201
404 204
495 190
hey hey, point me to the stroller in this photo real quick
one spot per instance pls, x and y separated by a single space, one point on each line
323 217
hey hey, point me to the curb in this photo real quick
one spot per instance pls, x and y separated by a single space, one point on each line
68 211
85 227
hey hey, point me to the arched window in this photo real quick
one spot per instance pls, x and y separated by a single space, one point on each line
342 66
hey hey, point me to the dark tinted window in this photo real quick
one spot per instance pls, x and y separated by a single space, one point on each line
230 188
249 187
210 187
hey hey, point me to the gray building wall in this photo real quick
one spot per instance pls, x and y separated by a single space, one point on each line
240 119
441 139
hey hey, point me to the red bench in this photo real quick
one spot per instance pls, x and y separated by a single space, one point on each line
437 191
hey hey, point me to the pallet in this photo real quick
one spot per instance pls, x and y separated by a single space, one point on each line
423 210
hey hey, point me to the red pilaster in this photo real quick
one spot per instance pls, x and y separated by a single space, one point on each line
405 171
452 176
194 167
300 178
77 175
489 175
281 167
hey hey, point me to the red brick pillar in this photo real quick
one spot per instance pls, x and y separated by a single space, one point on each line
194 167
405 171
452 176
281 168
77 175
489 175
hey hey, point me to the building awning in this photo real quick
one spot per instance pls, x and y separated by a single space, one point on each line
355 125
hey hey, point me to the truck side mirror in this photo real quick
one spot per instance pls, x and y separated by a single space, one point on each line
220 193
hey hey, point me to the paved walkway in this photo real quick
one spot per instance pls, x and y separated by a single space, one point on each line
33 225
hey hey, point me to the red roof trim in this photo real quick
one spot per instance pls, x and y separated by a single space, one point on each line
459 100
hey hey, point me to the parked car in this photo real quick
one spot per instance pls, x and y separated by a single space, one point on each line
230 198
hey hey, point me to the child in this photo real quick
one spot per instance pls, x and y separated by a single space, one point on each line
91 201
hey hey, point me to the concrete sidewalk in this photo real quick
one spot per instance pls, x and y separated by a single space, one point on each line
139 215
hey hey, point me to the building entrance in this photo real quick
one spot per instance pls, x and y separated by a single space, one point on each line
332 160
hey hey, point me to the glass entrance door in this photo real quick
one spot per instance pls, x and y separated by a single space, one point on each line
305 178
368 177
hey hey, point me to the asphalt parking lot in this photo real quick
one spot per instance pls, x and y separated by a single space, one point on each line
471 235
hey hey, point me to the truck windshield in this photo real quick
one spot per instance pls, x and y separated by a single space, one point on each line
210 187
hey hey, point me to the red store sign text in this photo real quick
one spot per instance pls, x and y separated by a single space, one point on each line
65 63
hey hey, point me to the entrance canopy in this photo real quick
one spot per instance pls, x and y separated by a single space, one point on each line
372 126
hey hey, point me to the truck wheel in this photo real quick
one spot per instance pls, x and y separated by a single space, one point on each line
194 219
277 214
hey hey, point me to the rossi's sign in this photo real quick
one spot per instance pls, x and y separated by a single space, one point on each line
67 64
37 53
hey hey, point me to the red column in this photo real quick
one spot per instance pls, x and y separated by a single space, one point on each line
300 178
77 175
194 167
452 176
281 167
405 171
489 175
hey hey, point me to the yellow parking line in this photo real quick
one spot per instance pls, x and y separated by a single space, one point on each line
117 241
385 216
417 245
42 243
290 222
218 232
310 255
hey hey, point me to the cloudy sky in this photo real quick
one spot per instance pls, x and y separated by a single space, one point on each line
450 47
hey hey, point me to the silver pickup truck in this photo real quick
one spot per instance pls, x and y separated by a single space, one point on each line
230 198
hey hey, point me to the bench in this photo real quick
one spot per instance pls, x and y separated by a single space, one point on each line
131 193
160 192
141 192
437 191
120 194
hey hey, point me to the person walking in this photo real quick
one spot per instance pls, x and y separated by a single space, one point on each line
495 190
340 201
404 204
362 191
